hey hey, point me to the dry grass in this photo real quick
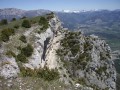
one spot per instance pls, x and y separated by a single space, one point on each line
5 63
29 83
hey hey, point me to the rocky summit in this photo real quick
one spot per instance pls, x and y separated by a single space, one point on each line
50 53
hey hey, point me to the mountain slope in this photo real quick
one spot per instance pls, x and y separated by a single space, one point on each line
9 13
52 53
103 23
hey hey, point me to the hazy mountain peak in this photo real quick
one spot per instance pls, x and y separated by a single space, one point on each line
9 13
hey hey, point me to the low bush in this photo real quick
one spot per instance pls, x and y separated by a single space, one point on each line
71 42
101 69
23 17
22 58
50 15
6 33
75 49
87 46
10 54
23 39
46 74
44 23
59 52
42 20
26 24
13 19
27 72
3 22
27 51
16 26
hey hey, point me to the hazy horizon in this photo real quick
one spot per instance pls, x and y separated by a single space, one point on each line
55 5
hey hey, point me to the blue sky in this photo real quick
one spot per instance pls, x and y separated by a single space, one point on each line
59 5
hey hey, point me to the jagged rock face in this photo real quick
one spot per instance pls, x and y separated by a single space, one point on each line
88 59
41 43
101 69
79 59
9 69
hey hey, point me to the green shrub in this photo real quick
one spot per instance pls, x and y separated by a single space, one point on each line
22 58
50 15
10 53
95 87
5 33
16 26
44 22
23 39
87 46
13 19
82 60
47 74
33 21
26 24
4 38
27 51
45 26
71 42
59 52
8 31
60 68
64 75
75 49
101 69
23 17
27 72
42 29
4 22
19 48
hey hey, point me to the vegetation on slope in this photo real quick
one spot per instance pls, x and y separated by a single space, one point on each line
26 23
44 73
3 22
71 48
6 33
23 39
25 50
24 53
44 23
102 23
18 26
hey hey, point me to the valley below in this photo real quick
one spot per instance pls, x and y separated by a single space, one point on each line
105 24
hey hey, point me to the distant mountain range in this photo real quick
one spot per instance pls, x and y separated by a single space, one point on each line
74 19
80 11
104 23
9 13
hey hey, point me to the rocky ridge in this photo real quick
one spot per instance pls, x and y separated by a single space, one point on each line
84 61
